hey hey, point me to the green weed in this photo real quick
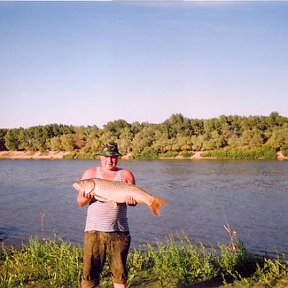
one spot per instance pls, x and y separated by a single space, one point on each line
177 262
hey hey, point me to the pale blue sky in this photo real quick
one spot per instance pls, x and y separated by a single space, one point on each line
87 63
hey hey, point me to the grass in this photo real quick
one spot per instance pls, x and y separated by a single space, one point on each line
42 263
178 262
242 154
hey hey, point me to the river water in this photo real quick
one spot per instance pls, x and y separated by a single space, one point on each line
37 198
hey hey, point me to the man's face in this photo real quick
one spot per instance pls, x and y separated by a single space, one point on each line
109 162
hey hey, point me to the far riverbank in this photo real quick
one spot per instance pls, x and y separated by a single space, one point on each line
51 155
58 155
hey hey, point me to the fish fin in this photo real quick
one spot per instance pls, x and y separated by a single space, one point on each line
156 204
112 204
100 198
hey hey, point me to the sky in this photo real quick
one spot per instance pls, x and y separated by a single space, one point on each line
88 63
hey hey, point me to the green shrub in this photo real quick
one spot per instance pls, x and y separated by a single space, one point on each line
52 263
169 154
241 154
147 153
236 264
186 154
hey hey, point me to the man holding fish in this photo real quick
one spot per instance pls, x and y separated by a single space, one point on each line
106 230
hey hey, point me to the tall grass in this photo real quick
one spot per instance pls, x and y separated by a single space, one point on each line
178 262
242 154
182 263
41 263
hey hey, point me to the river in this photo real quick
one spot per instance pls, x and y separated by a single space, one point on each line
37 198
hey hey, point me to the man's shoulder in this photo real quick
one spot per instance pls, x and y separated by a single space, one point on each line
89 173
125 171
127 176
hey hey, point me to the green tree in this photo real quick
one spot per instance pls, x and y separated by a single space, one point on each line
251 138
197 127
2 139
115 127
161 143
233 141
92 134
197 142
68 142
11 139
279 138
177 124
106 136
25 140
177 134
144 138
216 141
125 140
184 143
54 144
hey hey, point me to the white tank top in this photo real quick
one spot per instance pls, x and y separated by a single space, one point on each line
102 217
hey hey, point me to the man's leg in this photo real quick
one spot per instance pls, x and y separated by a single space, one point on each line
119 244
118 285
94 259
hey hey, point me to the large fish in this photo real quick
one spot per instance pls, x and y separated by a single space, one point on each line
117 192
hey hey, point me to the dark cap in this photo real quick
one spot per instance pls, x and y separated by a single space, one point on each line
110 149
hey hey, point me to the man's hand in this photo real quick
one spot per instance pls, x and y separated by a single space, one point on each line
131 201
87 195
84 199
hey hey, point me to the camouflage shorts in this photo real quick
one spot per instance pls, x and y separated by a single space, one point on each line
98 245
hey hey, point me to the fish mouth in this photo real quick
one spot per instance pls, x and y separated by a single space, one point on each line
77 187
83 190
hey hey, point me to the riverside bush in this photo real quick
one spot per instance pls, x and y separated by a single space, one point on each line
47 263
187 154
147 153
241 154
169 154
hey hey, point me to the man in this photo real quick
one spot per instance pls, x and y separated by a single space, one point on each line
106 227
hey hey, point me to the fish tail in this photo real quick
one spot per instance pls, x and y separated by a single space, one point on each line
156 204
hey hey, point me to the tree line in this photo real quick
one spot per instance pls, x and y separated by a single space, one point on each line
178 135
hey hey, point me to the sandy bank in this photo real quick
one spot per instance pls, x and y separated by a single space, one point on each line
55 155
51 155
280 156
59 155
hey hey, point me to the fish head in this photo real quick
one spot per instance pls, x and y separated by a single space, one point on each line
84 186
